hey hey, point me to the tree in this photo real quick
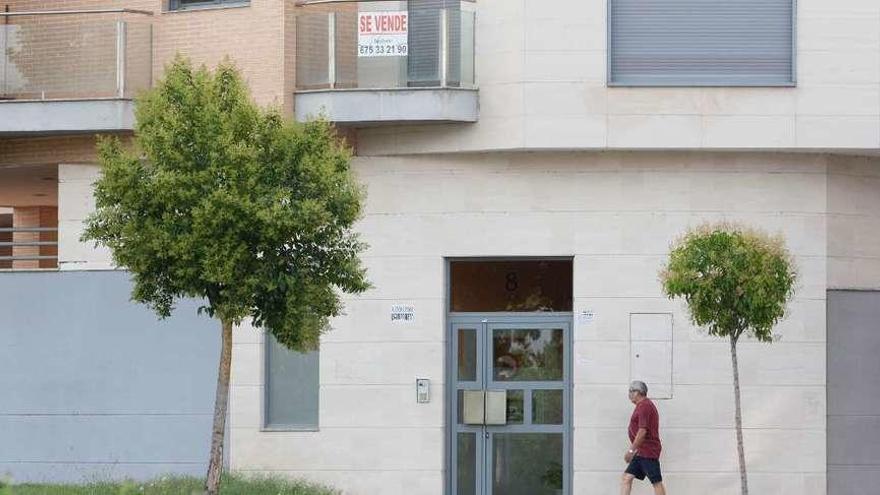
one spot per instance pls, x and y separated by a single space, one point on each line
227 202
735 281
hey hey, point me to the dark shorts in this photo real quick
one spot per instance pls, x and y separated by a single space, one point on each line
641 467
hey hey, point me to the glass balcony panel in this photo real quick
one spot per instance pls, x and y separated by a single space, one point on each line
362 70
418 45
312 55
138 56
466 47
74 56
425 37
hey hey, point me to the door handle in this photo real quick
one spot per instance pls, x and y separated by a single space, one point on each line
474 407
487 407
496 407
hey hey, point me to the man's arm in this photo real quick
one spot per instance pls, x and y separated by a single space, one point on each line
640 437
637 442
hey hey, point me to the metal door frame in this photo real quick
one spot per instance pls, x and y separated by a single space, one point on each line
483 321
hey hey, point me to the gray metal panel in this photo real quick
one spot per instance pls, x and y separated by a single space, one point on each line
96 384
374 106
51 117
853 401
701 43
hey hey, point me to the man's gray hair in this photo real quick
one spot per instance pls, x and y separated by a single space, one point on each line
639 386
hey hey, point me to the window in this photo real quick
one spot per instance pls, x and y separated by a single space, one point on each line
291 389
193 4
701 43
515 285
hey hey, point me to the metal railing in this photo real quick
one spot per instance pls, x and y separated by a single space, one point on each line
75 54
29 247
385 45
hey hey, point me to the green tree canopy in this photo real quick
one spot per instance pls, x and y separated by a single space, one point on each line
735 280
225 201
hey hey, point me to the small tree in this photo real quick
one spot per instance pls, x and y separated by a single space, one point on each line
736 282
230 204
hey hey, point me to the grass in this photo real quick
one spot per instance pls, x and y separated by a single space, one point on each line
171 485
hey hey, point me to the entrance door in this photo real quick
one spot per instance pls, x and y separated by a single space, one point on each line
509 398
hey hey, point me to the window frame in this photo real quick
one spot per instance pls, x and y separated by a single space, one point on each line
178 6
673 83
264 402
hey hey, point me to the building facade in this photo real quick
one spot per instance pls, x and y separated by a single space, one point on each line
527 165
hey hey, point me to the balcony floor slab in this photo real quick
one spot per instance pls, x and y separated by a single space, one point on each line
48 117
368 107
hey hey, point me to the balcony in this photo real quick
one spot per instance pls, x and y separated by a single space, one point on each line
386 63
72 71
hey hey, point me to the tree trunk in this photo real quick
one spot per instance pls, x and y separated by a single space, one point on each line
221 400
744 483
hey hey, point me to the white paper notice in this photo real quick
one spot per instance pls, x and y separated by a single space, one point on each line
402 313
382 34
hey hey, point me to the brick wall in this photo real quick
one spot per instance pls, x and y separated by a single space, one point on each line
252 37
47 150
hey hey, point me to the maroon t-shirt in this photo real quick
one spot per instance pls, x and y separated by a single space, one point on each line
645 416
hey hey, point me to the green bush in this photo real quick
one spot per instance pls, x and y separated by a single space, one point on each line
172 485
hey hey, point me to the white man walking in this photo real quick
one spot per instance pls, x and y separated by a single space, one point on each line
643 456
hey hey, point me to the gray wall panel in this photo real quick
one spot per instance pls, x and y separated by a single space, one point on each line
853 480
104 438
847 446
91 380
853 352
853 398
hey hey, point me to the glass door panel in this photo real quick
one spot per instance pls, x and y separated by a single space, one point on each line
547 407
527 354
527 463
466 452
467 354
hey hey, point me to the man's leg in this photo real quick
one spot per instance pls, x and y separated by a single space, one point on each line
626 484
652 468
